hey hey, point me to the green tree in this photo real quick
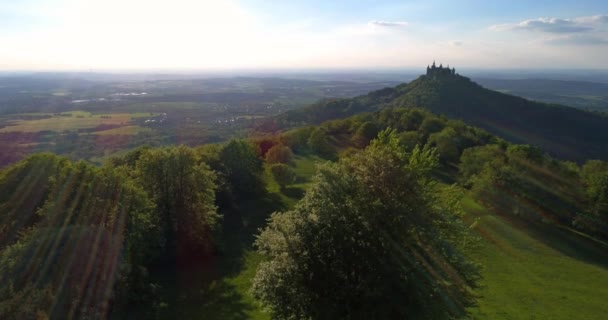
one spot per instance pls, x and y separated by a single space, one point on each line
242 168
279 154
365 132
94 235
447 143
431 124
409 139
24 187
473 160
297 139
182 189
282 174
369 240
594 176
318 142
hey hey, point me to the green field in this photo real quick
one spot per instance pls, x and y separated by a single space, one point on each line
72 120
538 272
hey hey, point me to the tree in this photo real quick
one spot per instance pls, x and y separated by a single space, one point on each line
473 160
431 124
297 139
318 142
183 191
369 240
282 174
365 132
279 154
24 187
594 176
94 235
447 143
409 139
242 168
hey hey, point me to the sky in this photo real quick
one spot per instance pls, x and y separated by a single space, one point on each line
312 34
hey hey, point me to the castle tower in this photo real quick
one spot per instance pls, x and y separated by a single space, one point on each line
434 70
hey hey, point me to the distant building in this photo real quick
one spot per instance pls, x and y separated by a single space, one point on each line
434 71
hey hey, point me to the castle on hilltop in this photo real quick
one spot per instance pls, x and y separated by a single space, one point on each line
433 70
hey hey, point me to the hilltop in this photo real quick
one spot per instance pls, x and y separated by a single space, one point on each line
563 131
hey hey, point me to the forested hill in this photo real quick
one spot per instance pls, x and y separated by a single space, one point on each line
563 131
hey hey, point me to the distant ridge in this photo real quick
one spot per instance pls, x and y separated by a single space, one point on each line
565 132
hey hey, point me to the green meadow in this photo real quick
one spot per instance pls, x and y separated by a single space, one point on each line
537 271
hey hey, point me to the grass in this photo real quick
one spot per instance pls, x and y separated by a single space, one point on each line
71 120
536 272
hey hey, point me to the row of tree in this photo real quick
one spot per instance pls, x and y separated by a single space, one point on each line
78 241
509 178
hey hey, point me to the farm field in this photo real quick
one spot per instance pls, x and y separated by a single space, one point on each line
72 120
123 131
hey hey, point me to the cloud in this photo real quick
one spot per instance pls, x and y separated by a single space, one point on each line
557 25
548 25
598 20
456 43
389 24
580 40
373 28
578 31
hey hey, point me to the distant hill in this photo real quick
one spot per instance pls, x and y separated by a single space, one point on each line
563 131
580 94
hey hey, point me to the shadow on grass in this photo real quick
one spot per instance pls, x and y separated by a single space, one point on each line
241 225
198 292
293 192
200 289
562 240
301 180
220 300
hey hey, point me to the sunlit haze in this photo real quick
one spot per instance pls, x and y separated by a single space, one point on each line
254 34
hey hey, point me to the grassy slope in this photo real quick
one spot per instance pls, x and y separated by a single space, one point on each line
527 275
533 272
